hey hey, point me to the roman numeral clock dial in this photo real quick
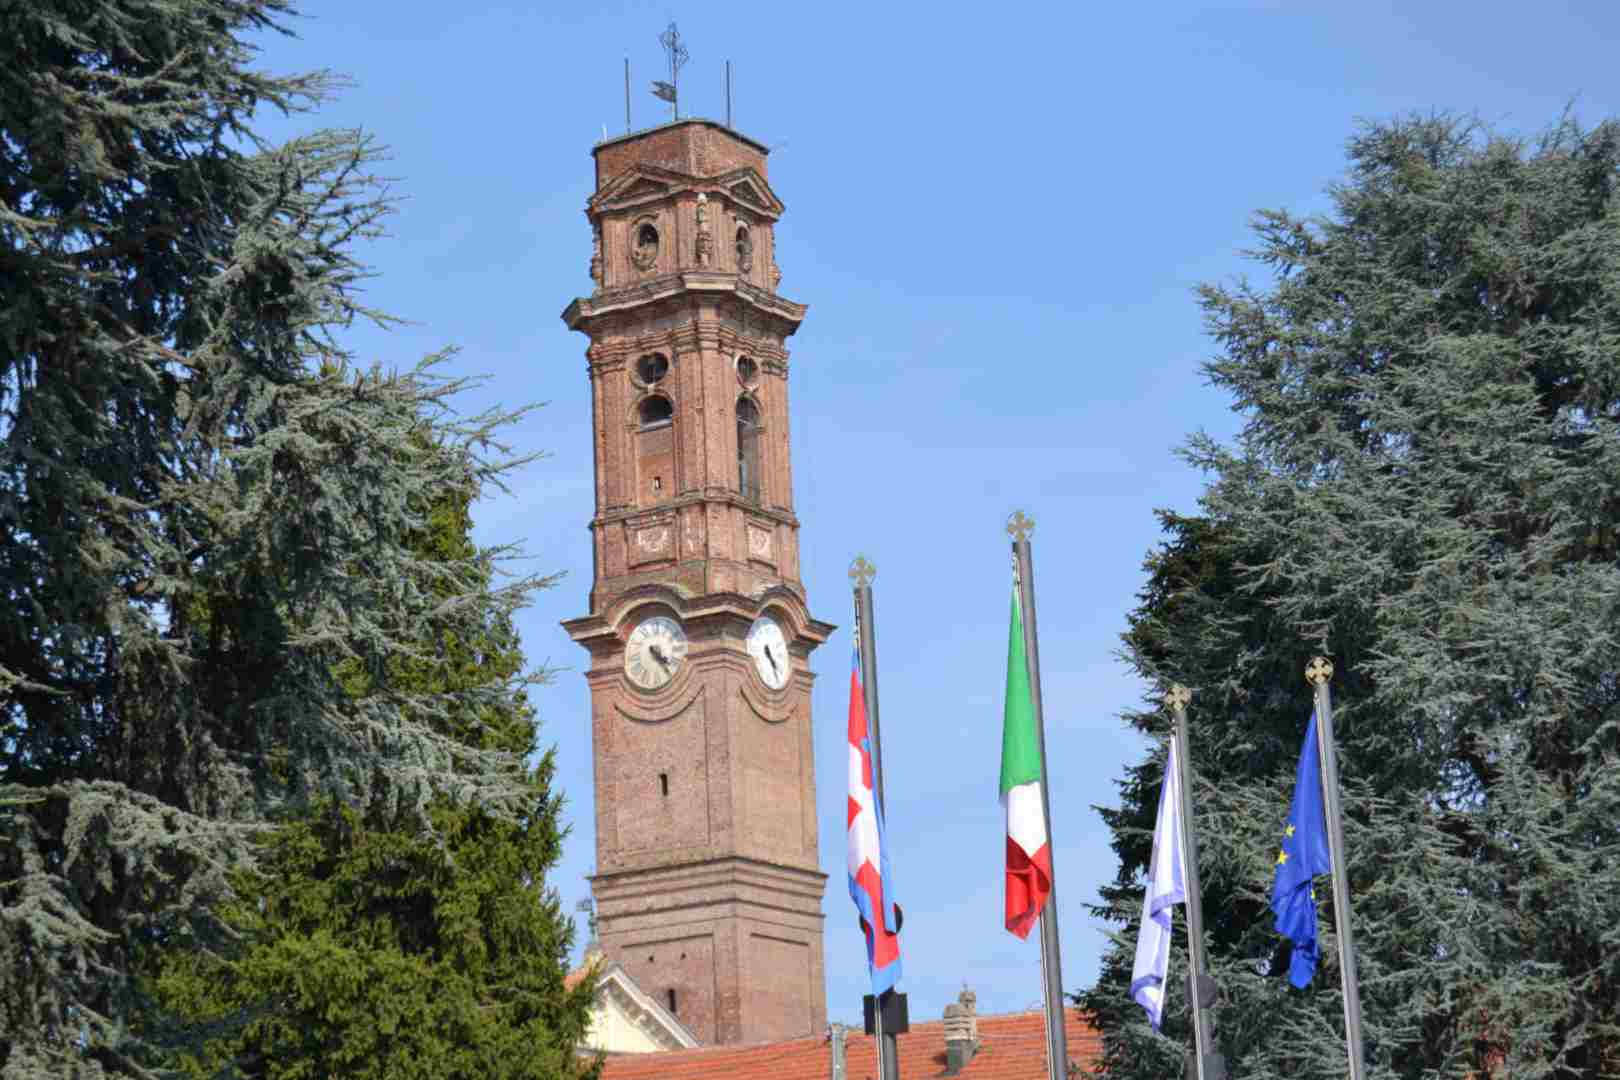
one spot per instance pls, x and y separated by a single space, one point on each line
768 647
656 648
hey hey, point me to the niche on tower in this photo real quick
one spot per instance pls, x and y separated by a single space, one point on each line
745 250
644 244
655 432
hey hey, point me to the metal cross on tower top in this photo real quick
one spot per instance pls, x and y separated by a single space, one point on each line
670 39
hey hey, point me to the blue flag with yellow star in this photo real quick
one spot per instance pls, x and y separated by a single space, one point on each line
1304 854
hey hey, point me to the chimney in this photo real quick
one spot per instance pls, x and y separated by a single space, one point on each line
835 1035
961 1032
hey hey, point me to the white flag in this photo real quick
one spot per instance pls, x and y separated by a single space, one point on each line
1165 889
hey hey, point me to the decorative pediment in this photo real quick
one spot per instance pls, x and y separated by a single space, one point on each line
625 1019
649 183
746 191
747 188
644 186
641 184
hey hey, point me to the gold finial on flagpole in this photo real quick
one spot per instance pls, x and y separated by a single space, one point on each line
861 572
1318 671
1019 525
1179 697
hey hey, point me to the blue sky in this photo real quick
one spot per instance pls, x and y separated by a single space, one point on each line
997 217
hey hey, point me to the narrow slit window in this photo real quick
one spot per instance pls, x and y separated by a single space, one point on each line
748 478
669 996
663 784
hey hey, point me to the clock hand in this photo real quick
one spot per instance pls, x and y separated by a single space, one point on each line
771 658
658 654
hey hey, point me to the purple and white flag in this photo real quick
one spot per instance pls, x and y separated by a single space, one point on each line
1165 889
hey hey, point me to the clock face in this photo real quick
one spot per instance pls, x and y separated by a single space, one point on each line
769 649
654 652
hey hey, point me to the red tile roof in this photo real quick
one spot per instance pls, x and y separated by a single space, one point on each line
1011 1047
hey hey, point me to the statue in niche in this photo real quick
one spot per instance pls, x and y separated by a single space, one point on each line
705 242
644 251
745 249
596 254
776 271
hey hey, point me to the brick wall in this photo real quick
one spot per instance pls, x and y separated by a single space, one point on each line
694 147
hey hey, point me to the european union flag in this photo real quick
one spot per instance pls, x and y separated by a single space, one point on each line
1303 855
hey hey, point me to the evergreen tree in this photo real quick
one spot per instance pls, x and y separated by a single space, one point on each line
374 949
1426 490
204 516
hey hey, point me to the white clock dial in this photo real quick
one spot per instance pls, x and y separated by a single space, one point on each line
654 652
769 649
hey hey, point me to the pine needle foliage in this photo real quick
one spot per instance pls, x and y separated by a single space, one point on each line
1427 491
205 516
373 948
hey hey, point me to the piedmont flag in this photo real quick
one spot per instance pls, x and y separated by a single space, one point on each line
871 883
1303 855
1029 855
1165 889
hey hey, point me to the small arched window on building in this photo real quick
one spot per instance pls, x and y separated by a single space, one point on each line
748 471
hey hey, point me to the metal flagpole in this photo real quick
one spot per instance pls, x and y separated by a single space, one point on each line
1019 527
861 573
1318 672
1207 1064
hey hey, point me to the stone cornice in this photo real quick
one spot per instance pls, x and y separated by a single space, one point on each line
602 628
712 496
685 121
584 310
701 872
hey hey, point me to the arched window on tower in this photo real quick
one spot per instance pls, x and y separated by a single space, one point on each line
655 449
749 481
656 411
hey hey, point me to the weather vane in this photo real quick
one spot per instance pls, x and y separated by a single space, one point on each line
673 48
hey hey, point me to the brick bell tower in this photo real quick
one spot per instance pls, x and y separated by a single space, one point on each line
707 883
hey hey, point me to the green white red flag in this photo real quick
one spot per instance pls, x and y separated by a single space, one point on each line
1029 851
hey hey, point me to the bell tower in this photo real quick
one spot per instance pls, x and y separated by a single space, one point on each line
708 888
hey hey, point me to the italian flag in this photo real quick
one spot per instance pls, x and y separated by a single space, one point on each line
1029 854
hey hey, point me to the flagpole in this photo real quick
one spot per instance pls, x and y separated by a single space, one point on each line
861 573
1019 526
1318 672
1200 986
